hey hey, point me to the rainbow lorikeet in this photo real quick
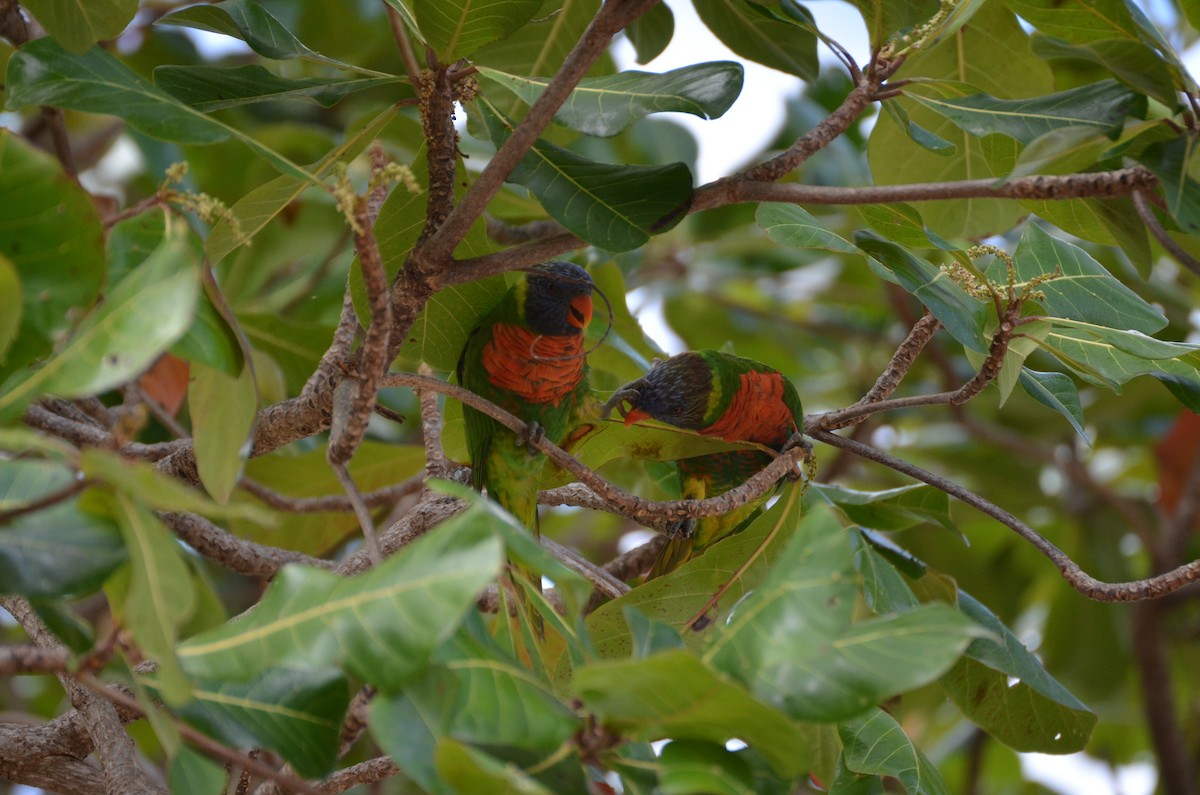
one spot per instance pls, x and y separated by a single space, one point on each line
527 356
723 396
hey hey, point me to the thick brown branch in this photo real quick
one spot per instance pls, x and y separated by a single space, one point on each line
29 659
1133 591
235 554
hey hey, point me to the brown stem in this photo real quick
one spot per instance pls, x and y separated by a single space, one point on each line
387 495
1081 581
1168 243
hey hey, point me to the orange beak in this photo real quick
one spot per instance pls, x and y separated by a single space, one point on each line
634 415
580 312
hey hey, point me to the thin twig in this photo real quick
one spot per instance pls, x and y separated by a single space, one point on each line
1169 245
1081 581
53 498
387 495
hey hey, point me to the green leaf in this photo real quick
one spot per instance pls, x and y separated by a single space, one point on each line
962 315
761 38
59 551
10 305
992 36
792 225
479 694
193 772
652 32
1034 713
457 28
222 411
885 18
876 745
1085 291
1058 392
382 625
1133 63
540 47
51 235
679 596
902 223
160 596
1172 162
891 510
613 207
295 345
1110 357
26 481
1100 106
140 480
141 316
256 209
210 88
690 767
42 73
78 24
253 24
1082 21
884 587
296 712
307 474
1066 150
605 106
472 772
408 737
918 134
791 641
675 695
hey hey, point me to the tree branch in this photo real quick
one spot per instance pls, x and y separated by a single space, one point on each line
1081 581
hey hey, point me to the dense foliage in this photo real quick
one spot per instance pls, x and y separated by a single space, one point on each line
977 252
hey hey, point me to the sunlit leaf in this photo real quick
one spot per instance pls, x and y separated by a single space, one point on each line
605 106
472 772
1133 63
222 410
891 510
382 625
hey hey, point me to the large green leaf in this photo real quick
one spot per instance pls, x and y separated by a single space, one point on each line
222 409
50 234
78 24
876 745
297 712
673 694
652 32
792 225
761 38
1174 163
993 36
11 309
1132 62
60 551
1081 21
141 316
1110 357
160 597
470 771
42 73
680 596
253 24
210 88
962 315
1102 106
614 207
382 625
605 106
792 642
477 693
885 18
1085 291
457 28
1035 713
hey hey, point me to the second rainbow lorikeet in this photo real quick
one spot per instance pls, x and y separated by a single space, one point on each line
527 356
724 396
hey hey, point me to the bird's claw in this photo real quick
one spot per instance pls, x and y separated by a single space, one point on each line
797 440
529 437
680 529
